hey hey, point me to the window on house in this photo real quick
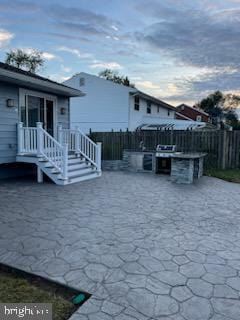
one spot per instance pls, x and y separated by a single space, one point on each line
199 118
82 82
149 107
182 107
158 109
136 103
168 112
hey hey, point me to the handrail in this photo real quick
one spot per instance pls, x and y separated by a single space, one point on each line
36 140
80 143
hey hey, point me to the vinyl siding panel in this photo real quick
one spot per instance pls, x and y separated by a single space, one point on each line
140 117
104 107
63 102
8 123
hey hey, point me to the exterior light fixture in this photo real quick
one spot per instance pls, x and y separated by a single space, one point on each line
10 103
63 111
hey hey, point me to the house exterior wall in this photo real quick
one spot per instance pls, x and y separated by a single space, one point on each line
108 106
8 121
138 117
192 113
9 117
103 108
63 119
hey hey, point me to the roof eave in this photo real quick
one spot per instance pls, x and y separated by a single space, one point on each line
38 84
153 99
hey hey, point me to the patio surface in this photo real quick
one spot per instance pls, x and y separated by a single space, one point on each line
144 247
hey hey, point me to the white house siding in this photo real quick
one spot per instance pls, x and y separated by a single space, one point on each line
103 108
8 121
137 118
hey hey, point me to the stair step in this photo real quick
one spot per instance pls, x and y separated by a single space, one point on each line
74 160
77 166
83 177
80 172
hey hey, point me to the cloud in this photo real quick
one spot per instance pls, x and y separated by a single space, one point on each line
5 37
147 85
82 21
114 28
14 6
198 87
65 69
105 65
59 77
84 28
193 35
49 56
223 80
76 52
65 36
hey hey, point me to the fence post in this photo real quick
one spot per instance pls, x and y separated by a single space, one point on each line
65 161
20 137
40 144
99 156
224 145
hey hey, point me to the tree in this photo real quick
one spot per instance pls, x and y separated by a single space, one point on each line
23 60
221 108
111 75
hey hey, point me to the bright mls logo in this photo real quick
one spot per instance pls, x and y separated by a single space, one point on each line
26 311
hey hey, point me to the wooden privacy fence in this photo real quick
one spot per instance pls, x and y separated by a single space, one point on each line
222 147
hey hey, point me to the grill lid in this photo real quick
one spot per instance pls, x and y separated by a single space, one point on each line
166 148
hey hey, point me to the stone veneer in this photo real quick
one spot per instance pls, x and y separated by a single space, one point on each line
132 161
185 170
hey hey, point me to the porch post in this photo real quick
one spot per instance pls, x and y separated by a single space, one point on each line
40 144
20 137
77 141
60 134
65 161
99 156
39 175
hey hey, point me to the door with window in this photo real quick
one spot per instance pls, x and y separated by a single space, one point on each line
38 108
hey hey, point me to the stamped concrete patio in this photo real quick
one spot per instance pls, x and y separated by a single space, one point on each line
144 247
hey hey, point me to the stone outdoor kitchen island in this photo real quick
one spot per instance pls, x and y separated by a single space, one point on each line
186 167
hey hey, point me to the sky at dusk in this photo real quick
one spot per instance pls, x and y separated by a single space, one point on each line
177 50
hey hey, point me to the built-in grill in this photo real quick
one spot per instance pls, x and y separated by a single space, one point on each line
164 154
183 167
165 151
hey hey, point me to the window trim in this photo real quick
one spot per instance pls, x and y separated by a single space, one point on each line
149 107
136 103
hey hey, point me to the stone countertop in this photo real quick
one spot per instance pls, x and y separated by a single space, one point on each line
190 155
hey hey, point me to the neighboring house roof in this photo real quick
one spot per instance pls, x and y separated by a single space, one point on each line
195 109
27 79
180 115
153 99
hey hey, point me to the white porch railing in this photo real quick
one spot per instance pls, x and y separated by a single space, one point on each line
80 143
37 141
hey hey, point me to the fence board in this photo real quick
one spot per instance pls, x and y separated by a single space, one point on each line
222 147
